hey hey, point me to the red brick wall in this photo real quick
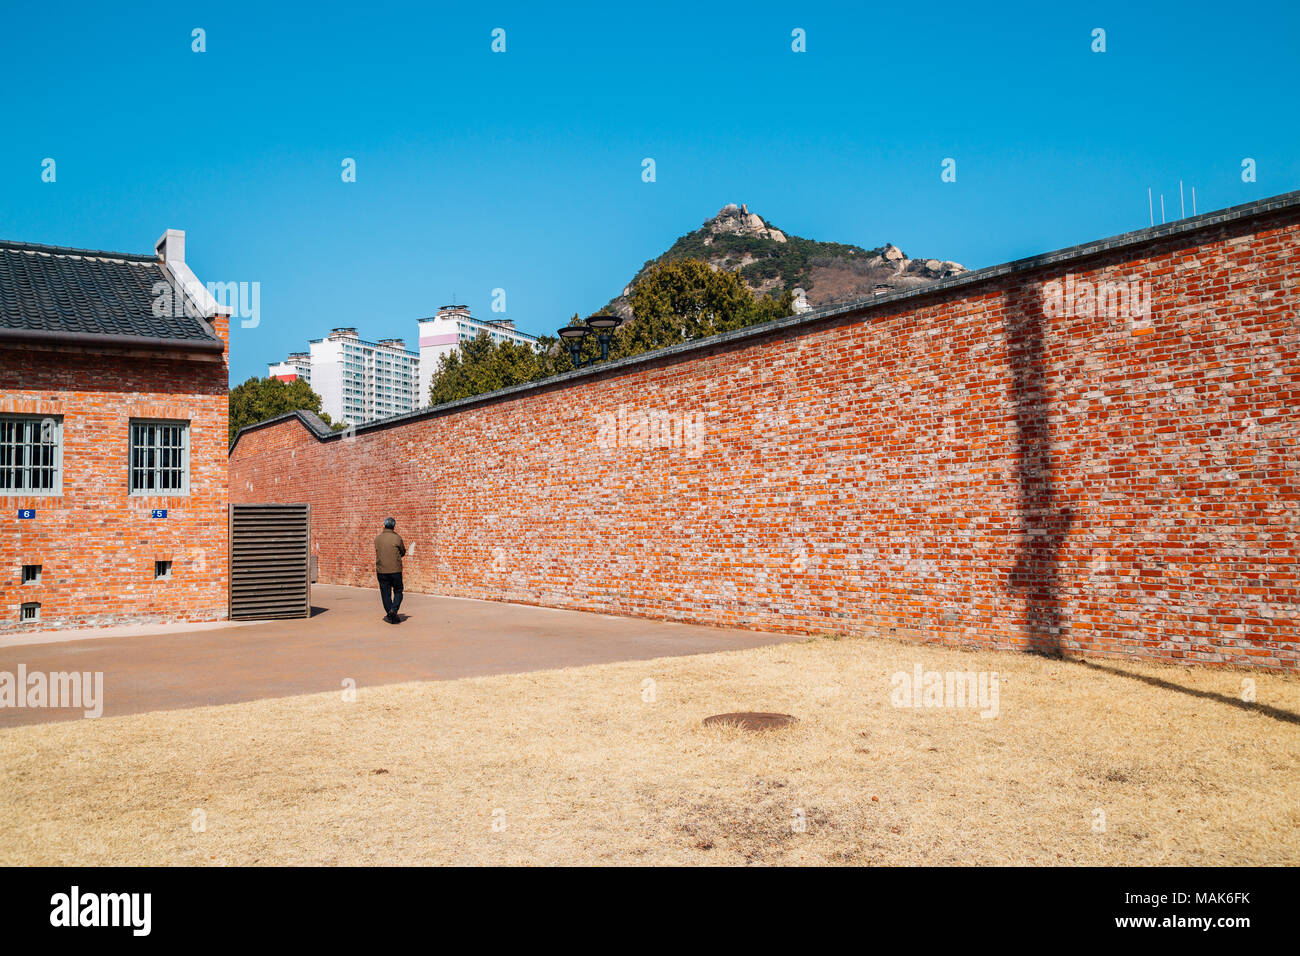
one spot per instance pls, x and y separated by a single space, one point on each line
97 544
967 468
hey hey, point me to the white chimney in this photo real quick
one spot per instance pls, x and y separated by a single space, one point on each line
171 246
171 250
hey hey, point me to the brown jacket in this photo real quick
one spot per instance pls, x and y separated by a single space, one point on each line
389 549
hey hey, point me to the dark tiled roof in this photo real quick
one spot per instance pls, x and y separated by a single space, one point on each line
53 292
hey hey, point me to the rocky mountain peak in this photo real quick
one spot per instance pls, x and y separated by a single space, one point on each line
817 272
737 220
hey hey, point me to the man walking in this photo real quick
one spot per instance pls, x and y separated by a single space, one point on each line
389 549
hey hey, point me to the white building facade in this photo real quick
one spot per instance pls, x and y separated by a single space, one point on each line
297 365
443 333
360 381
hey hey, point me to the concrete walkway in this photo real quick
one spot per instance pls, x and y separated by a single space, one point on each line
440 639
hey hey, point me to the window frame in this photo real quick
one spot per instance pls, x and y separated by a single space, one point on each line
57 489
183 491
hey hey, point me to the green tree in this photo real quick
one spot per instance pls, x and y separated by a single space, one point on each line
481 365
258 399
687 299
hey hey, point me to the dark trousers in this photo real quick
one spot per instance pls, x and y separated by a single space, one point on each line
390 591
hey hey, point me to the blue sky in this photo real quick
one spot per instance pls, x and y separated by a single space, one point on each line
522 170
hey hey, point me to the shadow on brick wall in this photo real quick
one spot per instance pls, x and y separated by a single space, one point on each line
1044 524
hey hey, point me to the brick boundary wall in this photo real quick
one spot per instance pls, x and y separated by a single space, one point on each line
96 543
981 462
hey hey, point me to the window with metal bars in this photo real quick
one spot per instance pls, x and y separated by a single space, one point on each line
31 455
160 458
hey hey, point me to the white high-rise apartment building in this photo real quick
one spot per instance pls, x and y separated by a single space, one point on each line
361 381
443 333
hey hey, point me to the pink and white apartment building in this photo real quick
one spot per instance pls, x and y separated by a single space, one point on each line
443 333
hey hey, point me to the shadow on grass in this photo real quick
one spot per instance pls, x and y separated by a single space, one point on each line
1277 713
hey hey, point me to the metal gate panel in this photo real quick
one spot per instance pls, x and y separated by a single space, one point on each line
269 561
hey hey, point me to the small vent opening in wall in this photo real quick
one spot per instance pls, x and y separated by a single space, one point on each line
162 570
29 612
31 574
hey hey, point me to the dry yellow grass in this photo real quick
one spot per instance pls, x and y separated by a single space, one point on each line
575 767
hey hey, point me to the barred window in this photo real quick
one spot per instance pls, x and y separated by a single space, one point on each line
160 458
31 455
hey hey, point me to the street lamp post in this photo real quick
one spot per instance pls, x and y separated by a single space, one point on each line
602 326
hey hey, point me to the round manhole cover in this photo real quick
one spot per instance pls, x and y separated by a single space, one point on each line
751 720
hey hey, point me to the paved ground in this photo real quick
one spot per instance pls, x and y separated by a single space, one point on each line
440 639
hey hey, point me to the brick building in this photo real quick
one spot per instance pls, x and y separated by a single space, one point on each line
113 428
1093 450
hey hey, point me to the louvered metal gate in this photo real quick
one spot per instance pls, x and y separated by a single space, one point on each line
270 571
